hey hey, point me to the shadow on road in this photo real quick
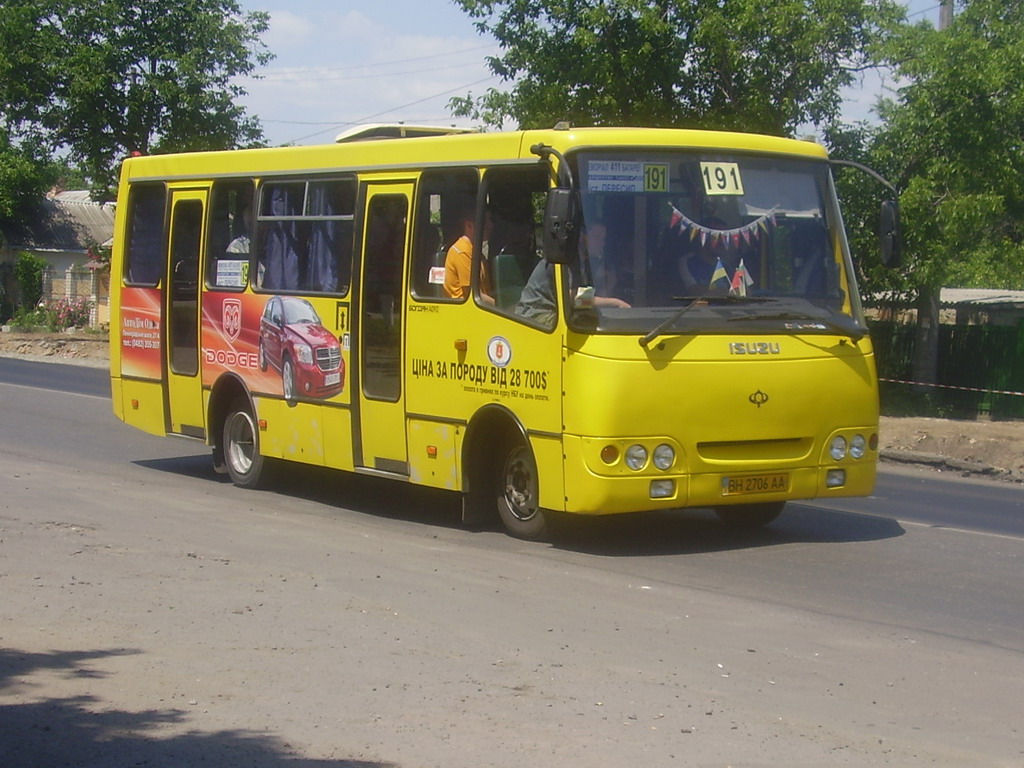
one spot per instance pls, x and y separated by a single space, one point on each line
84 730
679 531
694 531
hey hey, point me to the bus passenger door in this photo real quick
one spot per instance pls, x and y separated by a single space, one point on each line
181 344
381 438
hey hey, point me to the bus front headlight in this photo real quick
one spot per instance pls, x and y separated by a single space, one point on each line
837 450
636 457
857 446
664 456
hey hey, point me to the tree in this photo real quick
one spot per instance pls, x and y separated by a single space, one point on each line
107 78
25 174
737 64
952 141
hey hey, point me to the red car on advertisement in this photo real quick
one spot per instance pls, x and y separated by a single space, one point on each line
293 340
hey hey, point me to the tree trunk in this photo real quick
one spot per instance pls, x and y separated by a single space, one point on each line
926 344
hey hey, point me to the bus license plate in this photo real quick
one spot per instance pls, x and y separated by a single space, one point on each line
331 379
738 486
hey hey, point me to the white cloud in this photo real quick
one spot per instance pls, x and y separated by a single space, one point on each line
382 62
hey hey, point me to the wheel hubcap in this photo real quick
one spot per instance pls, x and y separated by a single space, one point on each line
241 443
521 486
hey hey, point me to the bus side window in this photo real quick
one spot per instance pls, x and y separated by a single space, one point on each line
230 234
281 205
305 234
144 261
515 197
441 197
331 206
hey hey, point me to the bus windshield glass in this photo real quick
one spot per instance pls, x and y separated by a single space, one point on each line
744 242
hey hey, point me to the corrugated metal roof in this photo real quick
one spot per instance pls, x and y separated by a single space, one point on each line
67 222
976 296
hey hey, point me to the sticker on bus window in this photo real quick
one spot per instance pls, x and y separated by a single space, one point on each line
656 177
232 273
436 276
721 178
626 176
615 176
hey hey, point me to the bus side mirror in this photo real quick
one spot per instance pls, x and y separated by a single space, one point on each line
561 225
890 234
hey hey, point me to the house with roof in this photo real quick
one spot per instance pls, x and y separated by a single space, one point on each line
66 228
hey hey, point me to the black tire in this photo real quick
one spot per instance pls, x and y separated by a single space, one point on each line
246 466
750 515
518 495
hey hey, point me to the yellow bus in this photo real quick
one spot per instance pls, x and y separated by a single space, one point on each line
581 321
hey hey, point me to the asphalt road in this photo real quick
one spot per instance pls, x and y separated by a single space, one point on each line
152 614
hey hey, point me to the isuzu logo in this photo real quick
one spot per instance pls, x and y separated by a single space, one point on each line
231 318
754 348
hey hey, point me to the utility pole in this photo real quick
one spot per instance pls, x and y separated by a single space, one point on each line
926 341
945 14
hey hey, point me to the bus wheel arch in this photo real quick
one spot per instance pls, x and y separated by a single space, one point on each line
500 478
227 393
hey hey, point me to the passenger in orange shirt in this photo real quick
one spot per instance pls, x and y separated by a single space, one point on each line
458 262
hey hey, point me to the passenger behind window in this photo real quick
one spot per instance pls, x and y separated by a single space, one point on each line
458 262
241 243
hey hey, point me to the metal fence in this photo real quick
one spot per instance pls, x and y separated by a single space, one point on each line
79 283
980 370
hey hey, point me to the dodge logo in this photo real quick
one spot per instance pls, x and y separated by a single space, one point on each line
232 318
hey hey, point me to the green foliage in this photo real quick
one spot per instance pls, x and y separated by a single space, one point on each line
24 176
26 319
107 78
58 315
951 141
28 271
737 65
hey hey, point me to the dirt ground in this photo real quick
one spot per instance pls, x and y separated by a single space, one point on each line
981 448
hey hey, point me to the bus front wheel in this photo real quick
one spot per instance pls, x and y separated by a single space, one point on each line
750 515
518 495
245 464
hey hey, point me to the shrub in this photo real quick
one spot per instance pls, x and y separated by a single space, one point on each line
67 313
56 315
28 271
29 319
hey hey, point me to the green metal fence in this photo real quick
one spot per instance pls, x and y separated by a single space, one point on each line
978 367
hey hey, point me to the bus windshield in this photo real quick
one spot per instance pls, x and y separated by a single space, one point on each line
742 241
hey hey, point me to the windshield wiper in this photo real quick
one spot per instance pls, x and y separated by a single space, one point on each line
847 327
697 301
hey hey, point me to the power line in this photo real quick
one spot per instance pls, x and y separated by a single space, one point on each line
298 76
287 72
336 126
924 11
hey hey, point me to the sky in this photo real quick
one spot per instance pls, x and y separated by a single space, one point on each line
344 62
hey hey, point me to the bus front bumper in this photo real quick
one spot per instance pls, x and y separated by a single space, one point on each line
596 488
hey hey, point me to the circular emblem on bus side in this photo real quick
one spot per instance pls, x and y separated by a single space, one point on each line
499 351
759 398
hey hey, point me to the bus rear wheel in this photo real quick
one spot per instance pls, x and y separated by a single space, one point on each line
245 464
518 495
750 515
